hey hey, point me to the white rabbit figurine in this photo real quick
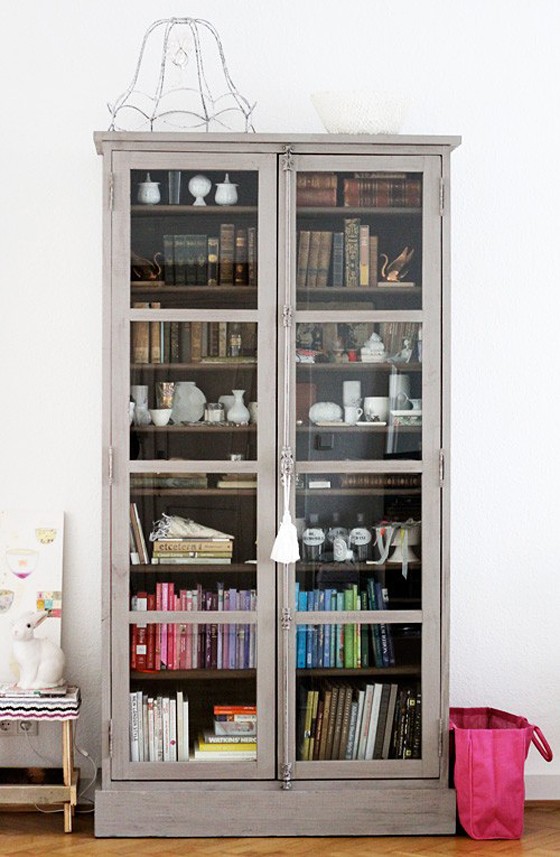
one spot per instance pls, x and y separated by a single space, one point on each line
40 661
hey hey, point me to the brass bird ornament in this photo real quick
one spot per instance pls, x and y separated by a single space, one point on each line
394 271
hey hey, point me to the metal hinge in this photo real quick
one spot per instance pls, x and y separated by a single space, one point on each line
111 191
287 776
440 743
441 197
287 316
110 465
110 738
287 159
286 618
441 468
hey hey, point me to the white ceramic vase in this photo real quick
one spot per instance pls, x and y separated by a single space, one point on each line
238 413
188 404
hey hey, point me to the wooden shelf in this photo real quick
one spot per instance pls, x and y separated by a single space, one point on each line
193 675
193 492
194 210
357 566
364 429
333 672
357 492
356 211
357 366
369 292
195 427
173 568
194 367
142 288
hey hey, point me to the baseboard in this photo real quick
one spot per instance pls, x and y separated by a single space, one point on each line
542 787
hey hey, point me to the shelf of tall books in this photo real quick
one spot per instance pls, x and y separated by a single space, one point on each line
274 317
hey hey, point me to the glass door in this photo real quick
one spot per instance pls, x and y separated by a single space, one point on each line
364 270
193 593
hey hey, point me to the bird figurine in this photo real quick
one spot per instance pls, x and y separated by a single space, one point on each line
393 272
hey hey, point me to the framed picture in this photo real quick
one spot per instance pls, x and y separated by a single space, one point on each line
31 554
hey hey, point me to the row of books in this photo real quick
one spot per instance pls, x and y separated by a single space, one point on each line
372 190
175 646
380 480
374 721
227 259
192 600
344 645
159 729
189 342
207 551
339 259
233 738
186 646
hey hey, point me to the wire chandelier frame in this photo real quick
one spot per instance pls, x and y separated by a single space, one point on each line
173 105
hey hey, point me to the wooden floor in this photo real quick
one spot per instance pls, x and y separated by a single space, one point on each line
24 834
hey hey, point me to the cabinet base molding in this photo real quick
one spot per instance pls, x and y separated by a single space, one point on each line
303 811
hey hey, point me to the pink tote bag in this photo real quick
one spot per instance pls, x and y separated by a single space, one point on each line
490 748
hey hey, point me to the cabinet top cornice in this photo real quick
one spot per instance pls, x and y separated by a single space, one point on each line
276 142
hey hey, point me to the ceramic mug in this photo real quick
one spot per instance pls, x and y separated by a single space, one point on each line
352 414
376 408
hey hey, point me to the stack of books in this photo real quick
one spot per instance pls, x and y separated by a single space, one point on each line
383 190
233 738
201 551
316 189
237 480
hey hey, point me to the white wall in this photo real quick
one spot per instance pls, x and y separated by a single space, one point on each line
484 69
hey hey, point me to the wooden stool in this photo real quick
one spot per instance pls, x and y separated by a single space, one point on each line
64 709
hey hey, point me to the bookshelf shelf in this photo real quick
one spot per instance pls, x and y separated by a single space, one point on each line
192 492
367 428
298 282
361 492
194 367
357 366
181 568
409 670
355 211
222 211
194 675
194 428
205 291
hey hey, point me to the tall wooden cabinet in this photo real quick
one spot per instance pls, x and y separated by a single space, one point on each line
276 322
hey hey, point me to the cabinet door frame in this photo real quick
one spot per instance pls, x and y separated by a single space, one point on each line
434 685
123 162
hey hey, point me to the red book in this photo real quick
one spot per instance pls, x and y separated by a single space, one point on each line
141 648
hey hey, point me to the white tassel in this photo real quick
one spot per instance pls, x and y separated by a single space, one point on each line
286 547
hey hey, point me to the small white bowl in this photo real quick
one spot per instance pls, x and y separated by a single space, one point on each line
360 111
160 416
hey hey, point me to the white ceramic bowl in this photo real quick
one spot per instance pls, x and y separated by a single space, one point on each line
160 416
360 111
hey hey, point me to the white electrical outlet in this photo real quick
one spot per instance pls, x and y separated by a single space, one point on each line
12 728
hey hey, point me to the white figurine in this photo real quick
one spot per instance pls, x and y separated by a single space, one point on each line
40 661
373 350
404 355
